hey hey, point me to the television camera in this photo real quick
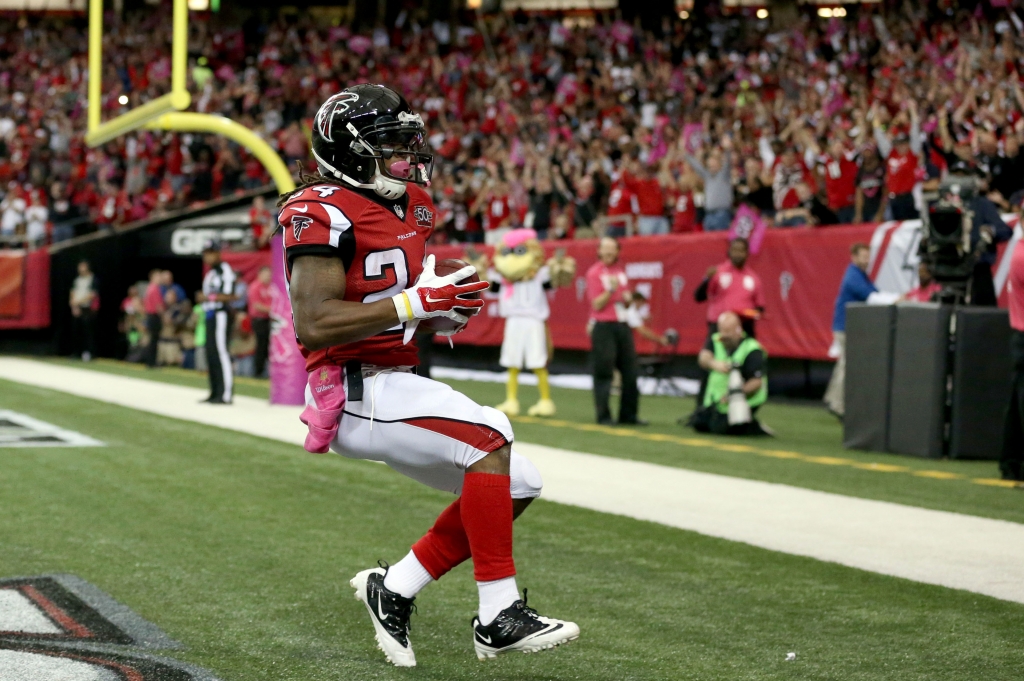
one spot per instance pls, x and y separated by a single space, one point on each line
948 232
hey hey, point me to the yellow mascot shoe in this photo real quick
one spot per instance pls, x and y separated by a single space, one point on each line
509 407
542 408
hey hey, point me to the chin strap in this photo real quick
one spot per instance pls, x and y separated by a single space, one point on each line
385 187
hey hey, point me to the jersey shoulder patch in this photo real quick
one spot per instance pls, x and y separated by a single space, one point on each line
421 208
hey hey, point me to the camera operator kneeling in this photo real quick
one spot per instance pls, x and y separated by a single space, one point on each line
737 386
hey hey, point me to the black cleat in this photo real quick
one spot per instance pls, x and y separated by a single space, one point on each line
519 627
390 613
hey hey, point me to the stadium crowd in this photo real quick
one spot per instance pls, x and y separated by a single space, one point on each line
163 327
599 128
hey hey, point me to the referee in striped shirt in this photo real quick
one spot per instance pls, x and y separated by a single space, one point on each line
218 292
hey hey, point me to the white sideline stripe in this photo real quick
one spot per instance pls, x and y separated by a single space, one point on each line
934 547
18 613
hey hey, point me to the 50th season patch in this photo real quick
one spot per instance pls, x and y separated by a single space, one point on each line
62 627
19 430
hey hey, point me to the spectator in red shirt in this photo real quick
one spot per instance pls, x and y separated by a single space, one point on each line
494 203
261 299
902 157
153 303
839 169
622 207
684 211
650 199
927 287
790 172
262 225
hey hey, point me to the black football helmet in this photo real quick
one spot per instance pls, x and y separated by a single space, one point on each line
361 128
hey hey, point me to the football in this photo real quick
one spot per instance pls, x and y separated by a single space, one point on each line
439 324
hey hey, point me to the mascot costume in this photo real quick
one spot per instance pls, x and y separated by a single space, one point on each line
522 300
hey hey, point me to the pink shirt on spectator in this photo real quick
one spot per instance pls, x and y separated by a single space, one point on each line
923 294
598 277
264 295
154 300
1015 287
733 290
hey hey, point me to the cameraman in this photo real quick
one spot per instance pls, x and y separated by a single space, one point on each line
726 350
987 230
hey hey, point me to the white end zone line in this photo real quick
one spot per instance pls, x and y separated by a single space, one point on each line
981 555
67 438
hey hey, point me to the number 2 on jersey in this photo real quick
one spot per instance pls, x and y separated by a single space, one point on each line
376 266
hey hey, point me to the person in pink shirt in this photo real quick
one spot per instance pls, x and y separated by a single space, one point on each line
611 337
732 287
261 299
1011 460
927 286
153 302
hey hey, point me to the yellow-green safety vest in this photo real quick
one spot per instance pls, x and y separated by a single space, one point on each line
718 383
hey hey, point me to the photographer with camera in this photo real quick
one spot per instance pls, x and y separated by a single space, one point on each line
988 230
737 384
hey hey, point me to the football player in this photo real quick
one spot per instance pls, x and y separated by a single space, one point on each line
355 240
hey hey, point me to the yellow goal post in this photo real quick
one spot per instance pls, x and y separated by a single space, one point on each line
166 112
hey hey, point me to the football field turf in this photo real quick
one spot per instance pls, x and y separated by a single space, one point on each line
241 548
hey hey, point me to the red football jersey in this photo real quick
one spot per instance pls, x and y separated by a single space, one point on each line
382 245
840 180
621 201
684 214
902 175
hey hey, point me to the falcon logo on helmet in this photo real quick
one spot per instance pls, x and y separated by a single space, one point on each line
338 103
369 137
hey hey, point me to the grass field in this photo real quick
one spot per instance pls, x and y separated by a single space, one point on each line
241 548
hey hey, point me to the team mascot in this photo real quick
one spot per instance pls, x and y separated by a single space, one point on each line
522 285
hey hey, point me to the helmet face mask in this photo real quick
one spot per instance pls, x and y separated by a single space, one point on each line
406 143
368 137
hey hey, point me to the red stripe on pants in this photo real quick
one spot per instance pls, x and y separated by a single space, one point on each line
476 435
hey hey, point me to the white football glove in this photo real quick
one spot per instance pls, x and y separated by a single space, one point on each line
434 296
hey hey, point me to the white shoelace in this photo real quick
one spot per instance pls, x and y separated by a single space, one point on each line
377 371
373 395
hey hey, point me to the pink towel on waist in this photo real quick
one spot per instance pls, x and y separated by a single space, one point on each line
323 416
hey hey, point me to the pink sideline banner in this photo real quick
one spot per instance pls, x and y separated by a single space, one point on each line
287 365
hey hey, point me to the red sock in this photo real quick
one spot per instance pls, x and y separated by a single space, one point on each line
445 545
487 519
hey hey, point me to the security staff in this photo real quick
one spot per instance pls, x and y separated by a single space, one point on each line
1011 461
218 293
731 348
611 337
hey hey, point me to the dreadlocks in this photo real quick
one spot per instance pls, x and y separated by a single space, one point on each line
306 180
